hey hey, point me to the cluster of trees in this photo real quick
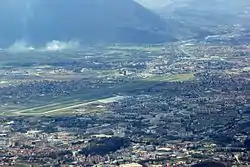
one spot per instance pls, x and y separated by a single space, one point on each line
209 164
104 146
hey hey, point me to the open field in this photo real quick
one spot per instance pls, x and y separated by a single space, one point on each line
66 107
172 78
140 48
181 77
67 104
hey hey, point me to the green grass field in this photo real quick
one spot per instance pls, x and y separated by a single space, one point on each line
139 47
66 107
67 104
172 78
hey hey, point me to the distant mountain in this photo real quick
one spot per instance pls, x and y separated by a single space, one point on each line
90 21
154 4
201 18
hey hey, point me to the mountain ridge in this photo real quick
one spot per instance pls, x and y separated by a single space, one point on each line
200 18
90 21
